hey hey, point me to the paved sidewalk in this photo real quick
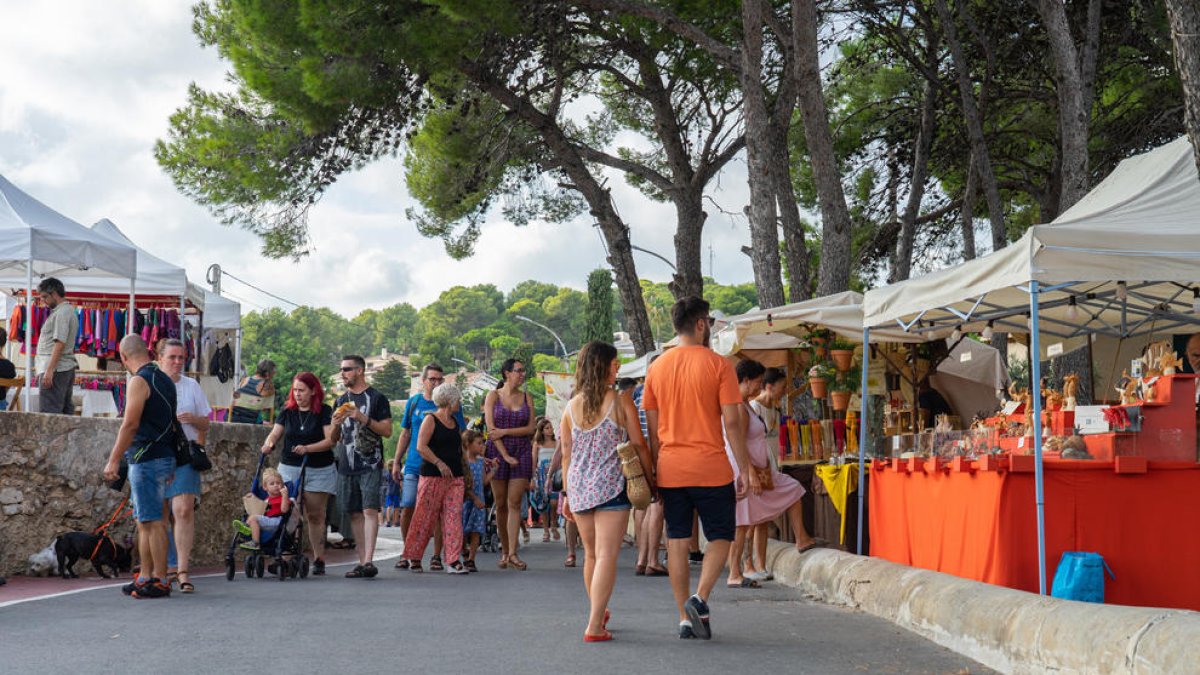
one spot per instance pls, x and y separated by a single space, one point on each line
494 621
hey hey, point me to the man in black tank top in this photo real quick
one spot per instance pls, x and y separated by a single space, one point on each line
147 440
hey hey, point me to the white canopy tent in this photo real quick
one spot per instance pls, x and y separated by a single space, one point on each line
1121 262
37 241
784 327
1135 236
155 277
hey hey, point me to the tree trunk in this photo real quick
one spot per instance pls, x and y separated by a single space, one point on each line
974 119
795 244
689 276
967 216
916 190
1073 117
615 231
764 230
1185 34
834 274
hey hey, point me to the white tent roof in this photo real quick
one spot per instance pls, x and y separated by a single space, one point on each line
784 327
155 276
220 312
1141 225
57 245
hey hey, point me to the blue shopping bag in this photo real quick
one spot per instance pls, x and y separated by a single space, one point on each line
1080 576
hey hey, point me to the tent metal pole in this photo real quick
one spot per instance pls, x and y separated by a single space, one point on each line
237 357
862 435
132 306
29 345
1035 370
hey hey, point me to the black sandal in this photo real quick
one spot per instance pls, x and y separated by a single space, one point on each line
402 564
356 573
435 563
470 565
185 586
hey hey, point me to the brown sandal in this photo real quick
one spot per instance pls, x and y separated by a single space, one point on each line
503 562
570 561
517 563
185 582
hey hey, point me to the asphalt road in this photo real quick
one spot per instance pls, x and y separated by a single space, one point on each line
494 621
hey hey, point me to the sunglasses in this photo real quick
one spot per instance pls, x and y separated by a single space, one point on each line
346 369
436 379
519 370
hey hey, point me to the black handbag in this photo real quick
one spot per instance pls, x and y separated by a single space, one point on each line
183 447
556 481
200 460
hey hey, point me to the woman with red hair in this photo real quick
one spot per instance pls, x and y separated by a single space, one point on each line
305 425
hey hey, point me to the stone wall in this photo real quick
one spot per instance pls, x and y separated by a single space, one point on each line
50 482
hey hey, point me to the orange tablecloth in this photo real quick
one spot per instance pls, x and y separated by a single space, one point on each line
982 525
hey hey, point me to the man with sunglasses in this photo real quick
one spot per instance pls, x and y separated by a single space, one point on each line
409 473
359 434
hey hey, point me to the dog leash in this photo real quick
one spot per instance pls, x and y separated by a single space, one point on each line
117 516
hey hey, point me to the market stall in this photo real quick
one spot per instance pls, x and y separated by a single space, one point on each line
38 242
1121 264
819 344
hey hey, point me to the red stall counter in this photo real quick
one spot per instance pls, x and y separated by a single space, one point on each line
977 520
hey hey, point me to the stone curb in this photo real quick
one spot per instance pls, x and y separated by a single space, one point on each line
1009 630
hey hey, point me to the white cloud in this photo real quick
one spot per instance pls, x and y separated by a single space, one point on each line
88 87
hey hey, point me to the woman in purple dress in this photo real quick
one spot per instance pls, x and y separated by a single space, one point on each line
508 411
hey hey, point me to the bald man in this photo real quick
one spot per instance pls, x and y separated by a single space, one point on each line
1193 352
147 440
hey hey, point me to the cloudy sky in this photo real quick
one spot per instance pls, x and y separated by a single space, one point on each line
87 88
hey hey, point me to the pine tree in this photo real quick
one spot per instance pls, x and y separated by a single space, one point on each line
599 308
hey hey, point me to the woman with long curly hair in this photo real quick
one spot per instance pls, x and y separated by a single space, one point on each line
595 422
304 426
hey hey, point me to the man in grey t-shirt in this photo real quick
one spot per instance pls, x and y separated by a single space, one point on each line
56 350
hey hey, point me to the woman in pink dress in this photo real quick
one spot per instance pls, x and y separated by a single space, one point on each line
783 497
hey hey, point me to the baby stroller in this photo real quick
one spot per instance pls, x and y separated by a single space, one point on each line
490 541
285 547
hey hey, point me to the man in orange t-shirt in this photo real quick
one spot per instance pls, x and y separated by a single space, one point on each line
689 393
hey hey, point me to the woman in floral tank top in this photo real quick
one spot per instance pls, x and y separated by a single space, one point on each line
596 421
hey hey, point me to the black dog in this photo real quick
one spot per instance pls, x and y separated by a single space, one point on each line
100 551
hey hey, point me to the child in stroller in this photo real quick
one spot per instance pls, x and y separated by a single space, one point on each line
272 539
278 505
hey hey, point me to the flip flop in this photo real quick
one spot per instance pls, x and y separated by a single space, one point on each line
746 583
816 543
603 637
652 571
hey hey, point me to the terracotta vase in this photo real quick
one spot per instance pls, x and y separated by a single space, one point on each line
842 359
841 399
817 386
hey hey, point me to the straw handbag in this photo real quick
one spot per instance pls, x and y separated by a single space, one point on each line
636 485
637 488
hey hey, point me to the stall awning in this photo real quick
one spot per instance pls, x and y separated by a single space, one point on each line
785 327
156 278
1135 236
57 245
221 313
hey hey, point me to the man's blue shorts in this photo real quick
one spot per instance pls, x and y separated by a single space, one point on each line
408 497
148 487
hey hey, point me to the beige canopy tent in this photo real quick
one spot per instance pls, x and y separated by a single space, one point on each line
1121 262
776 328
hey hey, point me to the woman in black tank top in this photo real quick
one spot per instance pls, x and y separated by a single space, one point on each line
440 491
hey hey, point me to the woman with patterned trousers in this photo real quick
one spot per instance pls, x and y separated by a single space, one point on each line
440 488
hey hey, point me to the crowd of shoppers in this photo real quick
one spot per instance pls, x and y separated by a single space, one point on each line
700 429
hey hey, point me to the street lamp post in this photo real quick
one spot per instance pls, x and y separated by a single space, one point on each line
566 358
